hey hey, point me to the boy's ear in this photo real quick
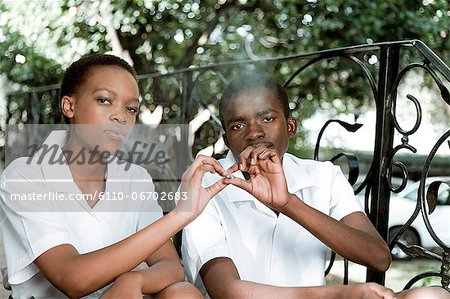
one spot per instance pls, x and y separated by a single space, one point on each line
291 126
225 139
67 106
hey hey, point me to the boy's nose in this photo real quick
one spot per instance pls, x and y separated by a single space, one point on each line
254 132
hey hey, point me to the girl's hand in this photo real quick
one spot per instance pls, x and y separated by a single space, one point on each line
194 197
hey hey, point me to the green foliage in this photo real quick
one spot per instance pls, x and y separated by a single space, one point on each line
166 35
38 39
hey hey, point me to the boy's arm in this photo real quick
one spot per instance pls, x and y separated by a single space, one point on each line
80 274
222 280
353 237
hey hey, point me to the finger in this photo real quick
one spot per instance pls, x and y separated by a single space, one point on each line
382 291
196 176
198 173
254 156
216 188
202 159
270 153
205 160
243 158
214 163
238 182
212 168
198 160
254 169
232 169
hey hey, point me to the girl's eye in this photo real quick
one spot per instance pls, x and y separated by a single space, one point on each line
268 119
103 100
133 110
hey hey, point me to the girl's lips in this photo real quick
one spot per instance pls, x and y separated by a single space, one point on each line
115 134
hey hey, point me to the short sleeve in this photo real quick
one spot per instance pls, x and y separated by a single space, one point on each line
30 227
203 240
343 199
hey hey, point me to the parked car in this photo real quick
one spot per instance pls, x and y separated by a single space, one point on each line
402 206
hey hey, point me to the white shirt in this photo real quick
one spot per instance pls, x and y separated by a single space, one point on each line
265 248
34 226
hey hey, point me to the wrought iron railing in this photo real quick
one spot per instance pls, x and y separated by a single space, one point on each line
182 94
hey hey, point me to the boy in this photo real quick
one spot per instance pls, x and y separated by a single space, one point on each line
82 245
267 236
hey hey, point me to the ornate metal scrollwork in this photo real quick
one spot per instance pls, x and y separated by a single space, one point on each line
426 200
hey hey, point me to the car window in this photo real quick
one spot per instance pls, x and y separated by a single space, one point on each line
396 182
444 195
412 195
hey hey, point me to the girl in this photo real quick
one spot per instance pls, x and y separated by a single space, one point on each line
89 247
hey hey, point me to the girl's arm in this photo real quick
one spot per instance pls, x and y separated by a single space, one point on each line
164 270
79 274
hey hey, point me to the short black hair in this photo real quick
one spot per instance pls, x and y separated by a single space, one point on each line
76 74
250 81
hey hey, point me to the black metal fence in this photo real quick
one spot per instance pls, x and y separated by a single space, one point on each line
370 74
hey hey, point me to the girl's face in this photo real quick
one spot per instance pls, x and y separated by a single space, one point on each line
103 110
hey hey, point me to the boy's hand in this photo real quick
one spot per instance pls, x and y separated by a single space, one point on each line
193 197
367 291
267 181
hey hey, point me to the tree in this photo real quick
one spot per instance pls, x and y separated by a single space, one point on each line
166 35
39 39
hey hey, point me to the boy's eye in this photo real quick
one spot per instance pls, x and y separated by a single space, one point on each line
237 127
133 110
268 119
103 100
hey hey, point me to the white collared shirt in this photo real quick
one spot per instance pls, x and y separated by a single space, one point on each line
265 248
32 227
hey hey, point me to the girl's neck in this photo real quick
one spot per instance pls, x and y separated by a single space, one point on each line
85 164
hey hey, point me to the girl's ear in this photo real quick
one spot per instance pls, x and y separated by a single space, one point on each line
67 106
291 126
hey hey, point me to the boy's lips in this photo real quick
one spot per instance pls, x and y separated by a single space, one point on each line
264 144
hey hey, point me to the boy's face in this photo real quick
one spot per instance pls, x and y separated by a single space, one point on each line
103 109
255 117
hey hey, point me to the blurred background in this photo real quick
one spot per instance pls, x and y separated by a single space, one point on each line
39 39
163 39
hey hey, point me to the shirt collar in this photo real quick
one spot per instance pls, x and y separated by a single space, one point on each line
297 177
55 170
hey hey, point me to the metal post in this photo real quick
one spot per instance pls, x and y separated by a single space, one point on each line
184 148
384 135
